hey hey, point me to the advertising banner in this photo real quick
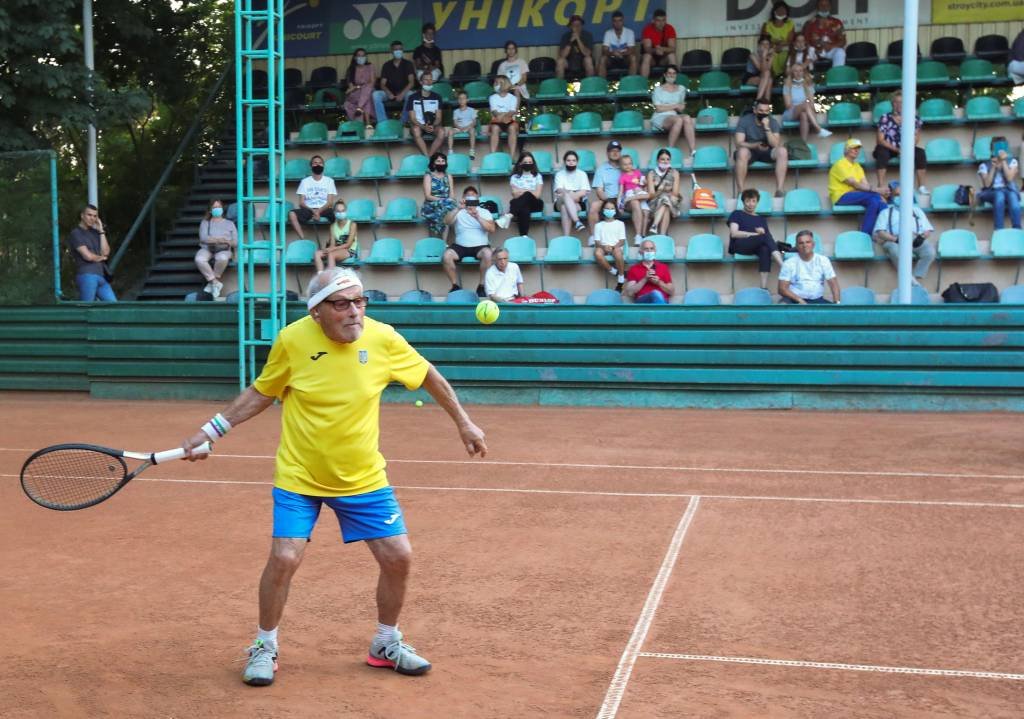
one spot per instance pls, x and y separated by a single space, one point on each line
963 11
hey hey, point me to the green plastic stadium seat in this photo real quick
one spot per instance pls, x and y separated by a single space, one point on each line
459 165
881 108
943 150
977 70
388 131
374 167
983 108
413 166
563 249
544 160
548 124
857 296
918 296
942 199
552 88
932 72
1008 243
593 87
752 296
633 86
496 163
664 248
936 110
385 251
705 248
192 297
1018 108
362 210
401 209
959 245
521 249
312 133
478 90
701 296
588 161
428 251
375 296
716 212
462 297
811 161
492 198
801 201
836 153
415 297
843 114
586 123
841 78
295 170
712 119
626 122
711 157
564 297
1012 295
885 74
982 147
714 81
338 168
764 203
326 98
675 152
259 253
300 252
444 89
604 297
854 245
351 131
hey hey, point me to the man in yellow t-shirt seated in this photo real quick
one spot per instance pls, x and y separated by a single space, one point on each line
329 370
847 186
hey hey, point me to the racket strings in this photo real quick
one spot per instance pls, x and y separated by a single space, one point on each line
68 478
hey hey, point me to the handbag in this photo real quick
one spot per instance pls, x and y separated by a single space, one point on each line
971 292
703 199
798 149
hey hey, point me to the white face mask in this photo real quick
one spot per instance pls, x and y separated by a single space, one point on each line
497 88
663 166
340 216
397 54
361 60
428 88
824 13
780 17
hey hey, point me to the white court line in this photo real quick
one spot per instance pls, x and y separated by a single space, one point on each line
834 665
655 467
617 688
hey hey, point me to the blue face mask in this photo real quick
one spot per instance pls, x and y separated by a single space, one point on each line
895 200
1000 146
608 213
217 212
648 256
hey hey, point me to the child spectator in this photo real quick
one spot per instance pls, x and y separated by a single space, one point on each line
342 240
610 239
633 195
463 120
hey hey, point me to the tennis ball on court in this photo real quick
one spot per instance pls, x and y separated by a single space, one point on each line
487 312
419 403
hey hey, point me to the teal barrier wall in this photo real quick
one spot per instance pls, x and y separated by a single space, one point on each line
882 357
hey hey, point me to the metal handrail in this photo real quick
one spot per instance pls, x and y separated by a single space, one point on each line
147 208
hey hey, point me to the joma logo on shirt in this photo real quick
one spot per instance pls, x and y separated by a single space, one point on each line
317 356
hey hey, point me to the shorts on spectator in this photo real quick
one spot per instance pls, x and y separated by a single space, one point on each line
761 154
883 154
304 214
464 252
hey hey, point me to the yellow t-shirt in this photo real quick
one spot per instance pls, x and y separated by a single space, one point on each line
841 171
330 424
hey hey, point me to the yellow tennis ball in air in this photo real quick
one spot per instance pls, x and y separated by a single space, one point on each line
419 403
487 312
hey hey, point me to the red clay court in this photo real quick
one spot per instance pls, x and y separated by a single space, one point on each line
598 563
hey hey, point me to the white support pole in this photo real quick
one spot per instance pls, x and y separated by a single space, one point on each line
90 63
908 130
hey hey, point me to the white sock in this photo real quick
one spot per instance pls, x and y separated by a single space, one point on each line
267 635
386 632
611 270
622 278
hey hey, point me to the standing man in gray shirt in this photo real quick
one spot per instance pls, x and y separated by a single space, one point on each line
89 248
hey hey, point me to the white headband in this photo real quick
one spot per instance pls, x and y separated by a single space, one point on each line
341 282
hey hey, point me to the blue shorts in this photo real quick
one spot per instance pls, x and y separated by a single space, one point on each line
361 516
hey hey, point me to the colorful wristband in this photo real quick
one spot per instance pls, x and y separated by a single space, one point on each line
217 427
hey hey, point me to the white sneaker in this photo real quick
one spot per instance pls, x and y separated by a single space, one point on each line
923 190
590 241
208 288
612 271
824 133
217 287
579 226
504 221
637 239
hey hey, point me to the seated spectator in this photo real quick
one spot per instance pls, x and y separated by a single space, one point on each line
888 145
361 78
826 34
397 79
90 250
847 185
759 139
438 188
749 235
619 48
798 96
342 240
670 116
575 51
649 281
527 186
665 185
606 184
316 195
999 184
218 239
633 196
759 67
571 189
658 43
802 277
463 120
1015 67
801 54
781 29
427 57
887 234
503 281
516 71
504 106
472 224
610 239
424 110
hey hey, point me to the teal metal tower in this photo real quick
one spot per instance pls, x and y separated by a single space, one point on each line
260 133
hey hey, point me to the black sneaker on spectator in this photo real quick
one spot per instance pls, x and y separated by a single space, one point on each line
480 291
455 287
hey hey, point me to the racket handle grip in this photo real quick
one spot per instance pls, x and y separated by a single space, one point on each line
179 453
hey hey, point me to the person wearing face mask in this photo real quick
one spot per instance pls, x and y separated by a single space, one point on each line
999 184
516 70
781 29
606 184
527 186
887 234
361 77
424 110
649 281
438 188
427 57
827 34
758 138
666 191
472 224
610 239
571 190
669 100
397 79
217 240
342 241
316 195
504 105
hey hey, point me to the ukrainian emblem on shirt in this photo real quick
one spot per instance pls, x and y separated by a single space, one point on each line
364 356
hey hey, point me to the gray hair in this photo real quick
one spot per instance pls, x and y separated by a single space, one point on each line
802 233
322 279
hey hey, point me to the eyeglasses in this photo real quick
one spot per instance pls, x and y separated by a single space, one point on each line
343 305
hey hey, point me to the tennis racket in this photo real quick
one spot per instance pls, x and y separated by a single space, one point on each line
75 476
